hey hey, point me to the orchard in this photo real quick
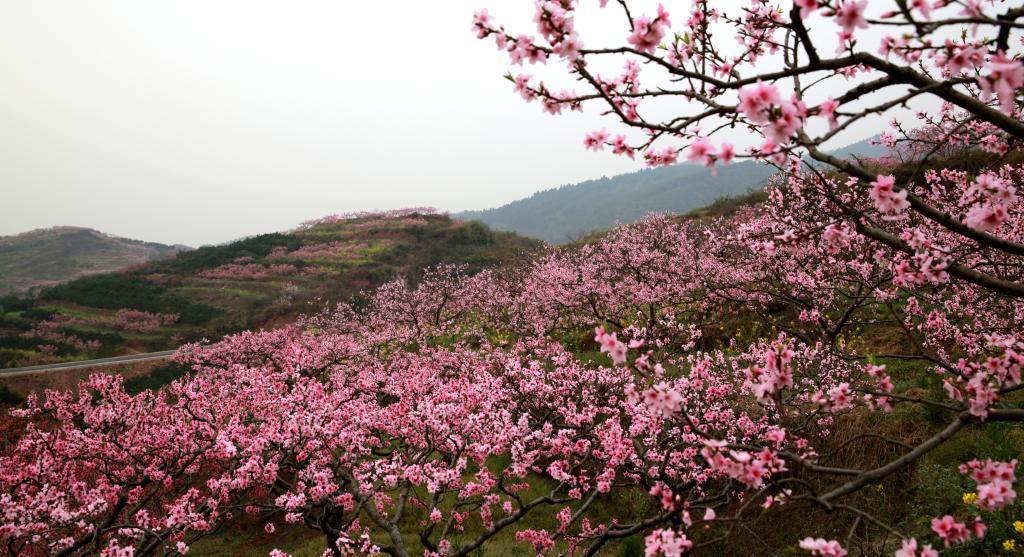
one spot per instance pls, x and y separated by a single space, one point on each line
764 381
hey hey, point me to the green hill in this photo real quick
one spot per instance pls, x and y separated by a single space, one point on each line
573 211
49 256
253 283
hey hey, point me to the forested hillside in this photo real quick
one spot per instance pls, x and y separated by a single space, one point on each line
572 211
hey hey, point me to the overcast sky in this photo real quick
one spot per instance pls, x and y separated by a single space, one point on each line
201 121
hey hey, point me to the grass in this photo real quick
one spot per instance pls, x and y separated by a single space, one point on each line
158 377
250 540
245 536
216 291
9 397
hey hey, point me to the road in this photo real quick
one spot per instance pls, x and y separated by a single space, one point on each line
45 368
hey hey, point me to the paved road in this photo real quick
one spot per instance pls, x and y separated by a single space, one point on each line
9 372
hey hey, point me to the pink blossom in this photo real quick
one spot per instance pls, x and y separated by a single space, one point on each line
996 494
701 151
834 237
663 399
827 109
821 546
962 57
986 217
839 397
540 539
522 86
909 549
922 6
994 482
807 7
667 543
885 198
850 15
950 531
569 48
481 23
726 153
620 147
666 156
595 140
994 188
610 344
647 34
1003 78
756 100
789 119
775 435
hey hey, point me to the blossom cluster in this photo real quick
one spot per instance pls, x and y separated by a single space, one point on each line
251 271
390 214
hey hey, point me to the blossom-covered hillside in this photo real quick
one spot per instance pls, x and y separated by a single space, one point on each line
256 282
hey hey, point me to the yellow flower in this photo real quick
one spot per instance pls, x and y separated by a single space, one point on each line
1019 527
970 498
1009 545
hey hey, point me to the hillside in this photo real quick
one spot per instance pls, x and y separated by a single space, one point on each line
572 211
48 256
257 282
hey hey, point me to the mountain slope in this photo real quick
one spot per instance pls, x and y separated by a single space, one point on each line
45 257
258 282
571 211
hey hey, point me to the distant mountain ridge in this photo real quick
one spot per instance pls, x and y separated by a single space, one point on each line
571 211
47 256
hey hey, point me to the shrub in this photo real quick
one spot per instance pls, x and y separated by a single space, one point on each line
110 291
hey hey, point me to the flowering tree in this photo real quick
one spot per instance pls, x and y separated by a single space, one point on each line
54 331
927 242
975 75
641 277
408 216
454 443
675 381
143 321
432 420
252 271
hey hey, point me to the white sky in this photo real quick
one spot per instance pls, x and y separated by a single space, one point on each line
201 121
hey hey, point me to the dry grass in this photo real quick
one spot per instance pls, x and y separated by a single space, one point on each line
69 379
